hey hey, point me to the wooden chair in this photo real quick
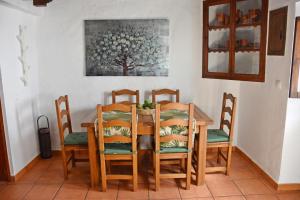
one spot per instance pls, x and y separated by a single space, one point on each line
161 92
170 146
223 137
126 92
70 141
117 141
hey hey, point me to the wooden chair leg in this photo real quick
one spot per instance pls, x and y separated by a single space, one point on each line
108 166
183 164
189 171
103 172
153 162
228 163
65 164
135 172
73 159
219 155
157 171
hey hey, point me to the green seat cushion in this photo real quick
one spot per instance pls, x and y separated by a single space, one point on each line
76 138
217 135
117 148
174 150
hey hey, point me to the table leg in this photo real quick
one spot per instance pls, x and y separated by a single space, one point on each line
201 154
94 173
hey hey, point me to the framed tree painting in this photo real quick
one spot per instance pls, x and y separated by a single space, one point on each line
135 47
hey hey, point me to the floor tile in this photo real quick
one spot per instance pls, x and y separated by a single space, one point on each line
253 186
289 196
30 177
223 188
45 181
2 186
126 193
56 165
195 192
243 173
79 175
51 177
15 191
42 192
168 190
202 198
261 197
230 198
110 194
238 162
72 191
216 178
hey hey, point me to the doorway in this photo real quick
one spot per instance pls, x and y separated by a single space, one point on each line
4 164
295 81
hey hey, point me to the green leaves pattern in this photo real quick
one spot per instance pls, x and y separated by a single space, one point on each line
171 130
117 130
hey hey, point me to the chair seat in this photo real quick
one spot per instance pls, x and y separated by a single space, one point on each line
117 148
76 138
173 150
216 135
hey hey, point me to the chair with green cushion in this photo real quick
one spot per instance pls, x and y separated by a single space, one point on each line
117 140
70 141
173 140
222 138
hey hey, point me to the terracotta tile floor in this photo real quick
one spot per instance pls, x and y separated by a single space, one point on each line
45 181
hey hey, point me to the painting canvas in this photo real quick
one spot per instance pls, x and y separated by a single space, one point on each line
135 47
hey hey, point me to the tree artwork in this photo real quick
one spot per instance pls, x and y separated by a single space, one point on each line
127 47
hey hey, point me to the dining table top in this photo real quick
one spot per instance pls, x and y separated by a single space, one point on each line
146 122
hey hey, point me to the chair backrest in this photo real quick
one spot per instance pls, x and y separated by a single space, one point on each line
117 123
161 125
229 107
126 92
63 116
161 92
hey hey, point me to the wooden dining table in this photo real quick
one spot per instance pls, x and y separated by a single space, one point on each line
146 127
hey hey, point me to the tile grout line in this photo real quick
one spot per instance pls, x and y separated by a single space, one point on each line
148 189
179 191
28 191
244 195
118 190
58 190
209 190
34 182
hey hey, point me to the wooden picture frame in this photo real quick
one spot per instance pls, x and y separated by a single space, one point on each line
232 68
277 31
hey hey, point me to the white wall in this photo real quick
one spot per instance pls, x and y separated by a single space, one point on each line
19 102
290 163
262 110
62 66
23 5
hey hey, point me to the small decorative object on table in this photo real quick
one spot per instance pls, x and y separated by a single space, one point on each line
146 109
